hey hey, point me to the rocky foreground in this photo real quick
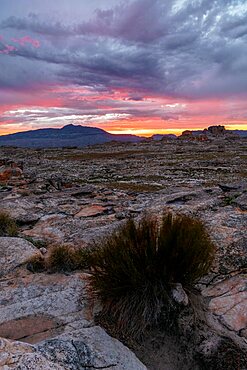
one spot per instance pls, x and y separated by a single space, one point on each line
77 195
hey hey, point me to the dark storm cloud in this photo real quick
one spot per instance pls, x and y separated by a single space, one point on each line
188 49
33 23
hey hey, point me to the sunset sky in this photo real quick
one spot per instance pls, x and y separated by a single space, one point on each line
137 66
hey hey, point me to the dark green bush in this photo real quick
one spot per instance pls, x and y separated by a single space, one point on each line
134 269
8 226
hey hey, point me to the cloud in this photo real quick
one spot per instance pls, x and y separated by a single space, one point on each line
6 49
33 23
27 40
180 50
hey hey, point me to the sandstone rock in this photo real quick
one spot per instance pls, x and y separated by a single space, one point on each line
38 306
17 355
89 348
228 300
14 252
78 350
91 211
48 228
23 209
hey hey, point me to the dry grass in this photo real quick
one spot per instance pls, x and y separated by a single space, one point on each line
61 258
134 269
8 226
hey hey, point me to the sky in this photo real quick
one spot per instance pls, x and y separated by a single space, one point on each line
137 66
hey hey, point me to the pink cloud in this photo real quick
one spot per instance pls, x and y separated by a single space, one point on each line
8 49
27 40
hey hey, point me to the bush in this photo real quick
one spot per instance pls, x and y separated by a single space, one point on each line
8 226
134 269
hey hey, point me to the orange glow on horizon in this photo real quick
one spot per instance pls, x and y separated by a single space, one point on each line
137 131
118 111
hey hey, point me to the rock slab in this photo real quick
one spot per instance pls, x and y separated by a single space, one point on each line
14 252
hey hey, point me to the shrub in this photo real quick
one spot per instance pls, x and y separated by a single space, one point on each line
134 269
8 226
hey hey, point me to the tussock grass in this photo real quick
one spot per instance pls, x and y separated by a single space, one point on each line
134 269
8 225
61 258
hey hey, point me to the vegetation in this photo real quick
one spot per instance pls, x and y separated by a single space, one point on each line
230 200
8 226
134 269
61 258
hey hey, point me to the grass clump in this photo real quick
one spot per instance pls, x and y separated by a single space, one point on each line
8 226
36 264
65 258
61 258
135 268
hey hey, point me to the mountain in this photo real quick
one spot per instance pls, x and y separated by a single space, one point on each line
70 135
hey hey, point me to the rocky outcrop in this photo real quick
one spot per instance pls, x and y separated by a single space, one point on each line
74 196
217 130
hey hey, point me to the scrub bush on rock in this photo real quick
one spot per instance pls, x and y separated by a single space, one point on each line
135 268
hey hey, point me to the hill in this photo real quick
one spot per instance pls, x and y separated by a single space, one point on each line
67 136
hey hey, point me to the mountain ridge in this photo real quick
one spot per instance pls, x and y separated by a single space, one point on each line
79 136
69 135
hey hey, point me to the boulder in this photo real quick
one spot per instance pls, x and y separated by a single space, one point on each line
81 349
14 252
89 348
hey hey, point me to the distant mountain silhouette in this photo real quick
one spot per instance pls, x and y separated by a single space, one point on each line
70 135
